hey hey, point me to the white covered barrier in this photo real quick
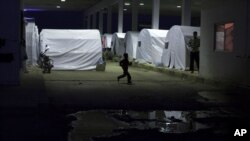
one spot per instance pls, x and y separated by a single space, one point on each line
150 45
131 42
176 54
32 43
106 40
117 44
35 49
72 49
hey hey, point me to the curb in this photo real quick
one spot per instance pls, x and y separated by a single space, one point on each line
185 75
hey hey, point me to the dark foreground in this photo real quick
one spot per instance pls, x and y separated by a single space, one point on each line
92 106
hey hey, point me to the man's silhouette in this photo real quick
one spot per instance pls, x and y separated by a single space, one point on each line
194 44
124 64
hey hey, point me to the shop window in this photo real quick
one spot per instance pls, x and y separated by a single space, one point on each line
224 37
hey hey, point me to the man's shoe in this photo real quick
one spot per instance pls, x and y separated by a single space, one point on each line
129 83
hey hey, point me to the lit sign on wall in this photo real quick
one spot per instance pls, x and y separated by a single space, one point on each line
224 37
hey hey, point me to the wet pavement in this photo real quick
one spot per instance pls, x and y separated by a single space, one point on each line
116 125
93 106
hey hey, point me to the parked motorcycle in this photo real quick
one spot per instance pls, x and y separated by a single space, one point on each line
45 62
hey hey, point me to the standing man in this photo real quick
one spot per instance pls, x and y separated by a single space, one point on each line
194 45
24 55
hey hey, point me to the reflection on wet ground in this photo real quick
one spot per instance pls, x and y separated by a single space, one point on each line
122 125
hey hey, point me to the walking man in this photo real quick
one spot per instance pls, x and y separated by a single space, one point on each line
124 64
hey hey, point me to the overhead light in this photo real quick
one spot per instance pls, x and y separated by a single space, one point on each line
178 6
63 0
127 3
58 6
141 4
29 18
32 9
125 9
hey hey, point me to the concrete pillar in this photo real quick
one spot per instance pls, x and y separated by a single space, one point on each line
120 16
85 22
94 21
156 14
135 4
109 20
10 34
186 13
101 22
89 21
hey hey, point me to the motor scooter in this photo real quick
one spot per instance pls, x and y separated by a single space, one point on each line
45 62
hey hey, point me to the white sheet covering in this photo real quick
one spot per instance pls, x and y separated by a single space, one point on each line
32 43
150 45
131 41
117 44
106 40
72 49
35 45
176 55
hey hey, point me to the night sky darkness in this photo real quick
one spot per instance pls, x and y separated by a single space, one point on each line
56 19
75 20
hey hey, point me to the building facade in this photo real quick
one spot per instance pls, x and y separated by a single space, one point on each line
225 51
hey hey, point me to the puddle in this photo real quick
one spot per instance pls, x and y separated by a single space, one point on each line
122 125
215 97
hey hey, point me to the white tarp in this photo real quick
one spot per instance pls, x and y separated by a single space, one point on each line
32 43
176 54
131 41
117 44
35 45
72 49
150 45
106 40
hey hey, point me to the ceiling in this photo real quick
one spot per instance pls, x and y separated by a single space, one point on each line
74 5
168 7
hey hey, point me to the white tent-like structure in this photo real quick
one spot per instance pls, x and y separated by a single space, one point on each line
150 45
72 49
117 44
176 54
131 41
32 43
106 40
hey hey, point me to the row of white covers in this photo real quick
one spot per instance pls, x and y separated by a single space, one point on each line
117 44
106 40
32 43
131 42
72 49
176 54
151 43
